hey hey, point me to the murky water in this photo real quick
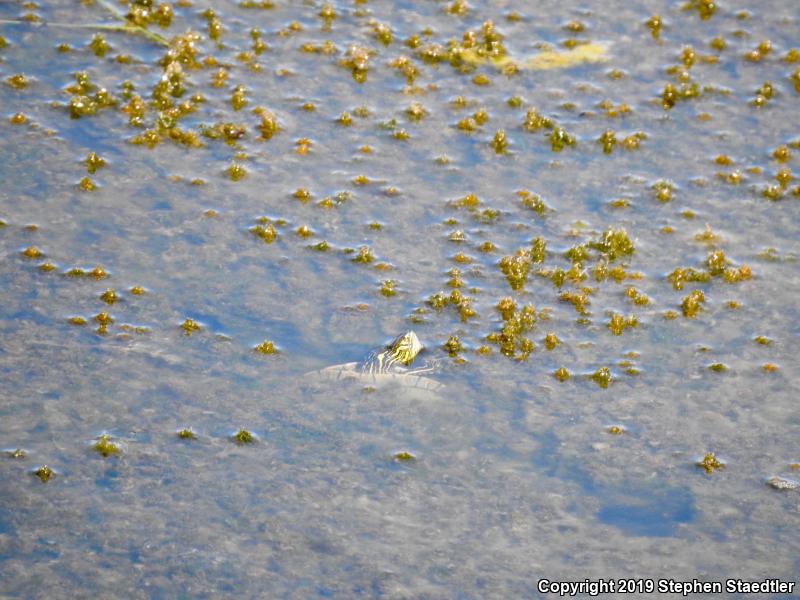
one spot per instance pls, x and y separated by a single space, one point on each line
514 475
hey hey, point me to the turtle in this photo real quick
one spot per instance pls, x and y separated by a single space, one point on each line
388 365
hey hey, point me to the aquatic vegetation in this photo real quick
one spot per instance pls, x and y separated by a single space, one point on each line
560 139
614 244
109 296
663 190
608 140
105 446
184 91
32 252
655 24
18 81
243 436
517 322
453 345
98 273
269 123
538 250
710 463
357 60
535 203
682 275
403 456
94 162
561 374
602 377
617 324
499 143
438 301
364 256
264 230
516 267
534 121
551 341
494 53
87 185
190 326
229 132
691 305
388 288
636 296
103 319
44 473
266 347
236 172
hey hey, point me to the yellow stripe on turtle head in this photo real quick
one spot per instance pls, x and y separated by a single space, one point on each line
404 349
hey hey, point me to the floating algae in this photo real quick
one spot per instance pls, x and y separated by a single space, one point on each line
583 54
255 111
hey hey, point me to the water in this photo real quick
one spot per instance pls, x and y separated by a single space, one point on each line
515 475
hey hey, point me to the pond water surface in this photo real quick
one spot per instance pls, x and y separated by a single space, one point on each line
507 475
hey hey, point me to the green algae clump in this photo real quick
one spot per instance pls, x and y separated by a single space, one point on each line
614 243
500 142
357 60
243 436
32 252
186 434
583 54
364 256
637 297
453 345
710 463
236 172
105 446
705 8
265 231
535 203
109 296
516 323
403 456
44 473
683 275
692 303
551 341
266 347
189 326
388 288
617 324
560 139
93 162
561 374
437 301
602 377
515 268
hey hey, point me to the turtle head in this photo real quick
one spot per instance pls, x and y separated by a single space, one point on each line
405 348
